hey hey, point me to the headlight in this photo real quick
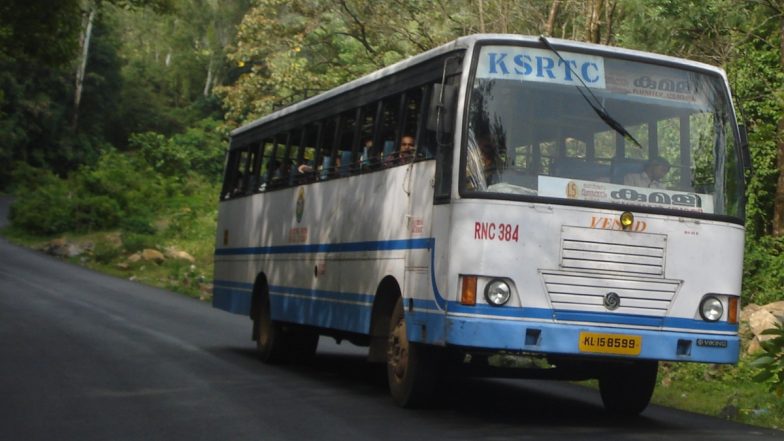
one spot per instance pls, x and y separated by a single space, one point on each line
711 308
497 292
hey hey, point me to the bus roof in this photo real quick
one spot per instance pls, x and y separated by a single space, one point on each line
465 43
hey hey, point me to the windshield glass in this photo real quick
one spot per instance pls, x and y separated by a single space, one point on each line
535 130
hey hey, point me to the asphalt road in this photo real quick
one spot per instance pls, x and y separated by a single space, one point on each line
84 356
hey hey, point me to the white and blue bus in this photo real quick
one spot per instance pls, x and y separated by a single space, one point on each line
577 203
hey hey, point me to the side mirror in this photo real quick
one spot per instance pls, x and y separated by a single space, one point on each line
440 112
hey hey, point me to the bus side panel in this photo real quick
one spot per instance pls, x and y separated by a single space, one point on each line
425 308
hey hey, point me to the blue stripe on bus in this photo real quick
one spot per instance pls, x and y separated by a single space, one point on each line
318 294
231 299
235 297
382 245
231 284
347 247
322 312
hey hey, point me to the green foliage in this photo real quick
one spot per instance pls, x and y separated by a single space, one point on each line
763 276
138 223
95 212
770 362
135 242
44 208
200 150
93 198
719 390
106 252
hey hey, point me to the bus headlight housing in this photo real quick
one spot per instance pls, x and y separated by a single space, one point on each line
711 308
497 292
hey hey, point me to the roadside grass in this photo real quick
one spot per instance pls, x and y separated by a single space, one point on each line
188 224
725 391
722 391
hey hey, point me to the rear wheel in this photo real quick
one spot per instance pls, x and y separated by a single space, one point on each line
276 342
411 367
270 336
626 389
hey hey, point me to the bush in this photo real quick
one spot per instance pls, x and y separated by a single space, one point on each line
137 224
106 252
44 206
93 212
134 242
199 150
771 361
763 270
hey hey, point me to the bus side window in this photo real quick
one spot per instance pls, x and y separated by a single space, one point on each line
368 144
267 150
306 157
389 127
275 164
326 168
252 175
241 179
410 121
347 143
289 168
443 137
233 178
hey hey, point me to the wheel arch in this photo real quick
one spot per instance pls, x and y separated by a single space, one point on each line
387 293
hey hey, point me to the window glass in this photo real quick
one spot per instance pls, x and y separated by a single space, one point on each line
347 143
389 127
534 131
328 148
368 147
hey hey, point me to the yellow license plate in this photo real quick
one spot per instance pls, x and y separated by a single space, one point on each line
610 343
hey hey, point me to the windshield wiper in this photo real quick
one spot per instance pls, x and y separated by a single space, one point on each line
595 104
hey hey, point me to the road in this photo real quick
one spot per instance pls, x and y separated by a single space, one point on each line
85 356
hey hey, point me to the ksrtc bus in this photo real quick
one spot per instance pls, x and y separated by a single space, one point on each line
577 203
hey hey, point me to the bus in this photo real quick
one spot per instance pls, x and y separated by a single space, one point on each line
578 205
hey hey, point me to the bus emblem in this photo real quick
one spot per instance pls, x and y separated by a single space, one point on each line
612 301
300 204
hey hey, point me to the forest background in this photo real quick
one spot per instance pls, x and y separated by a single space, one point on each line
114 116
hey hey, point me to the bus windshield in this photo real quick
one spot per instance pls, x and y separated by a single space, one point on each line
666 139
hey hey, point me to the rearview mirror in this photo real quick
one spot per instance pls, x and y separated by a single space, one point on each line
440 112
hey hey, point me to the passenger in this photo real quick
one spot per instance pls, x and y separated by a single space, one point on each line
369 156
276 167
482 169
405 153
655 169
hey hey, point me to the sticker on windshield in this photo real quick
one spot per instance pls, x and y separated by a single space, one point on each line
539 65
624 194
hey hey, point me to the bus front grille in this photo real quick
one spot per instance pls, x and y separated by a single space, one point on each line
586 292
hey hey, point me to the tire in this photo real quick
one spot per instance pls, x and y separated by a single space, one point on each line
279 343
270 336
627 389
411 367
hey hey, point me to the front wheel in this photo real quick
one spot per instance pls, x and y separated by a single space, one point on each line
626 389
411 367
